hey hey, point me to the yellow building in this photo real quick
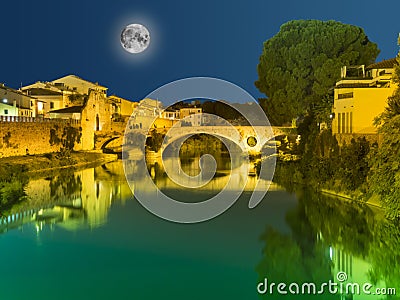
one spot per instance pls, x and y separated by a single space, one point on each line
361 95
64 92
122 108
193 114
150 110
79 85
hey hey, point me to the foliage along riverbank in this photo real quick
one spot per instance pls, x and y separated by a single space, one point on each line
326 166
15 172
360 170
297 70
320 226
365 171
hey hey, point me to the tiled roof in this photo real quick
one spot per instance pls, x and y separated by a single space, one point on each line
68 110
16 104
43 92
385 64
77 77
3 87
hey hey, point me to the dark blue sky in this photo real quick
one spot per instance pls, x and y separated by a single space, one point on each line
44 40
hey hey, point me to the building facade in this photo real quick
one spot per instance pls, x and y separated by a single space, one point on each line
64 92
15 103
361 95
192 115
121 108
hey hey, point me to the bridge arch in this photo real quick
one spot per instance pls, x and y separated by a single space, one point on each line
240 135
188 134
105 143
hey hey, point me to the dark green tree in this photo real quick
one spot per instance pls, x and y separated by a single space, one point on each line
353 165
299 66
13 180
385 168
69 137
393 105
154 141
385 161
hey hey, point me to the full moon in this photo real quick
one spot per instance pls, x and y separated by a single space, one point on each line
135 38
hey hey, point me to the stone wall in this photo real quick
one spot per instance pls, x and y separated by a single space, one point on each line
32 136
19 135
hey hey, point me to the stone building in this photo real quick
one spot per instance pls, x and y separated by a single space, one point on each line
193 115
54 97
150 110
121 108
79 85
66 91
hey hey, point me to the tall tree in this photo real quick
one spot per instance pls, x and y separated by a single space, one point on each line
385 165
301 63
393 104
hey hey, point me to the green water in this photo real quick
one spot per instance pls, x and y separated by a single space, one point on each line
82 235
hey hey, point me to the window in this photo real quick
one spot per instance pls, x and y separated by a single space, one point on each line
343 123
345 95
339 122
6 111
51 105
351 122
347 123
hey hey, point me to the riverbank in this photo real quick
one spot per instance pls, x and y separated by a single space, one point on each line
288 173
32 164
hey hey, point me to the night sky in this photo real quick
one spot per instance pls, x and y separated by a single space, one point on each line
44 40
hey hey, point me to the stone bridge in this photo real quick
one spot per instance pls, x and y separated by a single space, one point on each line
249 138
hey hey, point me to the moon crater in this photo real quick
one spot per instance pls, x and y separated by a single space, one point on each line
135 38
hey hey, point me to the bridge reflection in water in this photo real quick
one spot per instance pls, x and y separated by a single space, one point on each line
81 199
243 174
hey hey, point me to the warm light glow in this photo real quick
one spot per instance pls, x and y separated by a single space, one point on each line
40 105
5 100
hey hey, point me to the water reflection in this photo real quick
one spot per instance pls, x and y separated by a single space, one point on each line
329 236
70 199
244 173
325 235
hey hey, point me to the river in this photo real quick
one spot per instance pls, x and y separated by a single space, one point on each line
82 235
